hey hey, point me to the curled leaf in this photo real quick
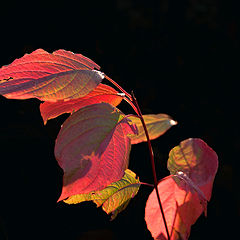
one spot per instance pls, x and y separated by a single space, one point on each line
102 93
157 125
49 76
93 148
115 197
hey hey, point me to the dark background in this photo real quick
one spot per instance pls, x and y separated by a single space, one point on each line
179 57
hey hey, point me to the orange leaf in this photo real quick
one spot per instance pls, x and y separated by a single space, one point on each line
181 209
102 93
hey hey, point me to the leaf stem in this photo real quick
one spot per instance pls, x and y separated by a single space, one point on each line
134 101
147 184
131 99
118 86
132 105
132 115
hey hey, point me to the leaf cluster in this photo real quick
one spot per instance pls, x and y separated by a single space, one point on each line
94 143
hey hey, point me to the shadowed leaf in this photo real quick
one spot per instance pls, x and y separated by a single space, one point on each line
194 158
157 125
189 185
115 197
102 93
93 148
49 77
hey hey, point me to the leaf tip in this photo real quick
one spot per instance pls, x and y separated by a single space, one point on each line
173 122
101 74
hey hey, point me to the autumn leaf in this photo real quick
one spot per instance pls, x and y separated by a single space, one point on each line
93 148
102 93
115 197
187 184
157 125
196 159
181 209
185 198
61 75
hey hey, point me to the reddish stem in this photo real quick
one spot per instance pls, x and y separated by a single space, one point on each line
127 98
130 98
119 87
134 101
132 105
147 184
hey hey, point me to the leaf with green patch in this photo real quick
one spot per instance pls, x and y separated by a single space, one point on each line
184 194
115 197
194 158
60 75
93 148
102 93
157 125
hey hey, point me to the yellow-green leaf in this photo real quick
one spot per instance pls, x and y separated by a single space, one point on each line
157 125
115 197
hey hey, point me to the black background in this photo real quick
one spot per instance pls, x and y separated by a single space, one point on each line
179 57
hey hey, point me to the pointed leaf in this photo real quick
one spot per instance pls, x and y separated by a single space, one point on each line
49 77
157 125
102 93
194 158
93 148
181 209
115 197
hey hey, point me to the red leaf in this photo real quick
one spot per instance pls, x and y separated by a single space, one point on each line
196 159
194 164
49 77
181 209
93 148
102 93
189 185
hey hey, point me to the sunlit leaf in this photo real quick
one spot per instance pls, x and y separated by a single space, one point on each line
194 158
93 148
184 194
189 185
157 125
115 197
181 209
102 93
49 77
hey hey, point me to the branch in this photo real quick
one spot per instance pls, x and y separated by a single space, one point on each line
134 101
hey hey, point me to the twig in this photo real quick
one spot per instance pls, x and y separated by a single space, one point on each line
134 100
119 87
